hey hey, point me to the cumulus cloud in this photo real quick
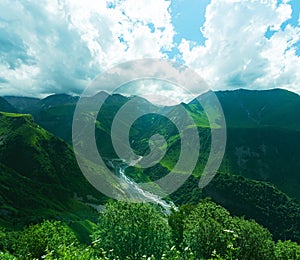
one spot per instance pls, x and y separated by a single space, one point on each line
60 46
237 54
56 46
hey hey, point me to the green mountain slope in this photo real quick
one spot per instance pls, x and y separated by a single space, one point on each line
54 113
39 175
257 200
263 145
262 126
269 108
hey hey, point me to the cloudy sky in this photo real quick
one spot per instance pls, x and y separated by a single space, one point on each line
59 46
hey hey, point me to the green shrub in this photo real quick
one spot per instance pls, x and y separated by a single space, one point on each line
176 220
132 230
287 250
7 239
252 240
205 230
49 236
210 232
6 256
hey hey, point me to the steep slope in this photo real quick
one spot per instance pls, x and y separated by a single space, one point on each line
6 106
257 200
275 108
39 175
22 104
263 137
265 154
54 113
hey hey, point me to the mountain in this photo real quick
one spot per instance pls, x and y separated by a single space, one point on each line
263 136
276 108
54 113
57 100
22 104
260 165
39 175
5 106
261 126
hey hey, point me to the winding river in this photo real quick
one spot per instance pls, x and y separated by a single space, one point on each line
135 192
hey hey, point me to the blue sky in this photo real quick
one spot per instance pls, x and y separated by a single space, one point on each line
187 17
60 46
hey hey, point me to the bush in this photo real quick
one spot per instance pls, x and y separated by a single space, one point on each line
210 231
132 230
7 239
287 250
6 256
252 240
38 240
176 220
205 230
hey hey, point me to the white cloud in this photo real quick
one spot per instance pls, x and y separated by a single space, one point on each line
61 45
66 43
237 53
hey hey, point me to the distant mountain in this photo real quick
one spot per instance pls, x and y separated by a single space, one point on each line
262 126
22 104
54 113
57 100
39 175
5 106
276 108
32 105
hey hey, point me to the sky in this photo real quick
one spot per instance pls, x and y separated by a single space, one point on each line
60 46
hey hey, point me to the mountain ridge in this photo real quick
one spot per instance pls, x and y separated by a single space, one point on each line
39 175
265 153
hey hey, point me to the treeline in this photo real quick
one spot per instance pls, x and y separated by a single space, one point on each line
142 231
257 200
249 198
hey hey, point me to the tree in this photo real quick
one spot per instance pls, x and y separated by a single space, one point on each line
210 231
252 240
37 240
287 250
176 220
6 256
132 230
205 230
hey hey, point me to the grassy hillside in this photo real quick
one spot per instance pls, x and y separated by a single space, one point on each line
39 175
262 145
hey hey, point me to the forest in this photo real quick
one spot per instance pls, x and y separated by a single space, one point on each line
142 231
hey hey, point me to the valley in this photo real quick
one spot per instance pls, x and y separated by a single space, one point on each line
259 177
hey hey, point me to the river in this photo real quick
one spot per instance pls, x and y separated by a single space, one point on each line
135 192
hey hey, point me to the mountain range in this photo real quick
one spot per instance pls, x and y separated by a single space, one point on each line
258 178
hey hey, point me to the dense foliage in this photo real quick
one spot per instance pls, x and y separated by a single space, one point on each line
36 240
208 229
257 200
143 231
133 230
